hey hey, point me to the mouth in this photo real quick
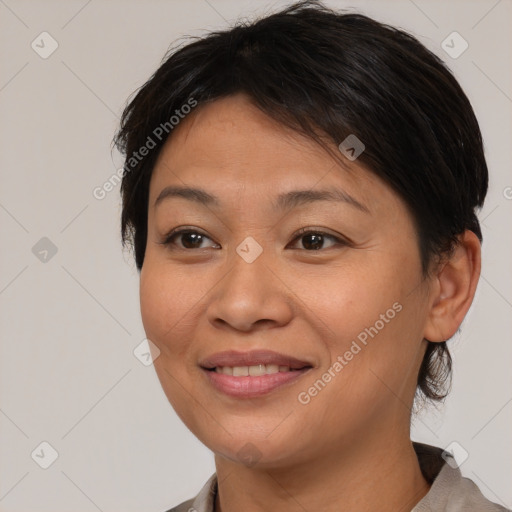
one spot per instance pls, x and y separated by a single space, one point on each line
252 374
254 370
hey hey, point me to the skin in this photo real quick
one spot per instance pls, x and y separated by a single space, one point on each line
349 448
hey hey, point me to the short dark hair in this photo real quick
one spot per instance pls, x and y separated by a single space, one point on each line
329 74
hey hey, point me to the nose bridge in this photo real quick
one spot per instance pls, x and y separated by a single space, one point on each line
249 292
247 284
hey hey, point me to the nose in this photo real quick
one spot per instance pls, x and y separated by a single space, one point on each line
251 296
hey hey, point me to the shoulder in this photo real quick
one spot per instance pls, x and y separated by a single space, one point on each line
186 506
450 491
203 502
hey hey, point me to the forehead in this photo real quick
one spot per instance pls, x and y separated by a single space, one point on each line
230 146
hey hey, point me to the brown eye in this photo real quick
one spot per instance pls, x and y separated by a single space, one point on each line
190 239
315 240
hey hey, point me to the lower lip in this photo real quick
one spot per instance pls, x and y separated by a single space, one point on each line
250 387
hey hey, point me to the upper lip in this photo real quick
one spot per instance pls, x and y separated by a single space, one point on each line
252 358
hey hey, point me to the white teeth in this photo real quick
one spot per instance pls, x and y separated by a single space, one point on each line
274 368
240 371
253 371
257 371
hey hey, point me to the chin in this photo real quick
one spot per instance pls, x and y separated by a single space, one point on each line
253 449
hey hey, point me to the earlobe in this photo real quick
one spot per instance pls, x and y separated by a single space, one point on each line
453 289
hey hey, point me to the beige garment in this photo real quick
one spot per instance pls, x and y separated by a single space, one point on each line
450 491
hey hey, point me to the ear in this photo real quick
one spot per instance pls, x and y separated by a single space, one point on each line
453 288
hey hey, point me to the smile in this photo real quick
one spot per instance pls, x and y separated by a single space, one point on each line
253 371
252 374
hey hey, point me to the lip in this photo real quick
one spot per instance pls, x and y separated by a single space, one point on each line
252 358
252 387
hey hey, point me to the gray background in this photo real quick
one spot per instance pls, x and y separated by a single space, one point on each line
70 320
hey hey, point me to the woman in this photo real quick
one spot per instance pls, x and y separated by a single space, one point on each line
301 198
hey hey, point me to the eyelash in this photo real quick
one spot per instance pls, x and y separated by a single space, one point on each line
168 239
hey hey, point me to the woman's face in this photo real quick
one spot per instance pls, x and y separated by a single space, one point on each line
346 301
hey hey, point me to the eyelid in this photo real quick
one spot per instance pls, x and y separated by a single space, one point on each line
339 239
181 230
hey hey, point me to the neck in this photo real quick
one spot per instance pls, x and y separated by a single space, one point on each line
368 476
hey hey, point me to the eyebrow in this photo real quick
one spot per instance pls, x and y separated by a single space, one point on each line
285 201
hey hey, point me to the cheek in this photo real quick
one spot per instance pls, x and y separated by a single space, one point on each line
165 299
165 302
153 305
374 325
354 300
